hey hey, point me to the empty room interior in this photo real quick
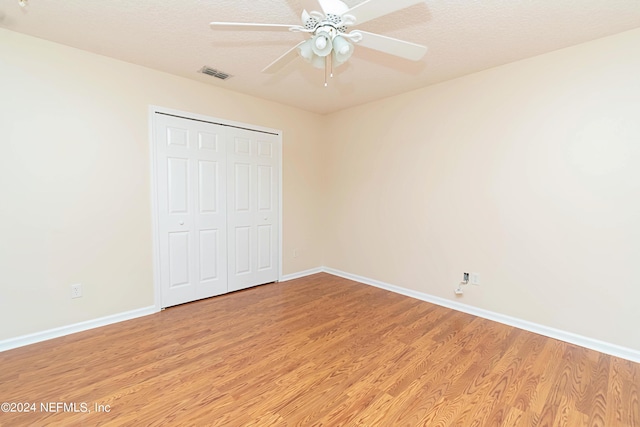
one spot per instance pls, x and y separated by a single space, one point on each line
374 213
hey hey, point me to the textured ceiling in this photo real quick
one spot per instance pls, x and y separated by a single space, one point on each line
463 36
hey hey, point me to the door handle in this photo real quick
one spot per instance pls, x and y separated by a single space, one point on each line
181 222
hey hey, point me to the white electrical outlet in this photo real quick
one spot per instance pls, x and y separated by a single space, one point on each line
296 252
475 279
76 290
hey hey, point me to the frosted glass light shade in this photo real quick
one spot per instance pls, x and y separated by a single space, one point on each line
306 51
318 61
342 50
322 44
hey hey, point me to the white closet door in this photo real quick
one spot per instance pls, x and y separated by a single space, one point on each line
191 181
252 210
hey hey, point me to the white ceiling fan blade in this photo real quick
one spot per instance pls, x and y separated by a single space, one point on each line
392 46
281 62
334 7
313 6
372 9
241 26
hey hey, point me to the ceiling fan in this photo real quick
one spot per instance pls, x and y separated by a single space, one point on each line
331 43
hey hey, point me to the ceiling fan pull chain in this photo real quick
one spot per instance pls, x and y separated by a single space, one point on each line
330 59
326 58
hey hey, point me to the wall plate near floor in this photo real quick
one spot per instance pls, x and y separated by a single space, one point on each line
76 290
475 279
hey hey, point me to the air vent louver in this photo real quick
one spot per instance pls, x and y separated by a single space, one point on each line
215 73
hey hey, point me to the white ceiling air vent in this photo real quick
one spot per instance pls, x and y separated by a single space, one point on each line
215 73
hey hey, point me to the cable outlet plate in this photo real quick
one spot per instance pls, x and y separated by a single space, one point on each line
475 279
76 290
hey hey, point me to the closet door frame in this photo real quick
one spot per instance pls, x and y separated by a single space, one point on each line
153 111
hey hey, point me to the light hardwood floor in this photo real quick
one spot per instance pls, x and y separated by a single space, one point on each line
317 351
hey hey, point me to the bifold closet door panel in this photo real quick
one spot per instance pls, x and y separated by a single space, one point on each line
252 209
192 207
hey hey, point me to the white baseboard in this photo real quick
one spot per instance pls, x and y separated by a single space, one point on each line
591 343
569 337
21 341
300 274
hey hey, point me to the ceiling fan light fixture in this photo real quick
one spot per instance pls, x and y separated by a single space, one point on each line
331 42
306 51
322 43
342 50
318 61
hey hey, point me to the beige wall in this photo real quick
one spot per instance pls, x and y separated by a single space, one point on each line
527 174
75 179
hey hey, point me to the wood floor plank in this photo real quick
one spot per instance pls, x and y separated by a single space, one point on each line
594 401
317 351
513 418
505 377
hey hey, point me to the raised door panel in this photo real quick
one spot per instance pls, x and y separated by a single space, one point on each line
264 247
178 185
242 252
265 188
209 187
209 254
242 187
179 259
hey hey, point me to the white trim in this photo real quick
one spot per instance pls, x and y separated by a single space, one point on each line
300 274
569 337
195 116
280 213
155 223
157 289
21 341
